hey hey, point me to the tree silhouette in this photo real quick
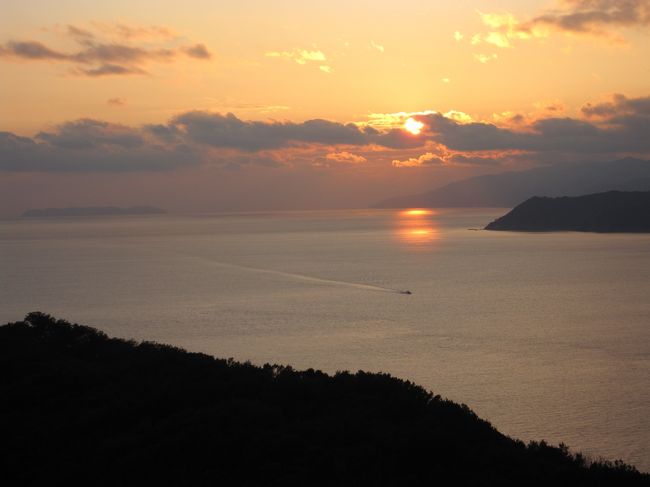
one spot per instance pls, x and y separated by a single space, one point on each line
79 407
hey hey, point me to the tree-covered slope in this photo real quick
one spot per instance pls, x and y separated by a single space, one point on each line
78 407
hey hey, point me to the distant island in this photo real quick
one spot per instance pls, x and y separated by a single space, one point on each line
92 211
79 407
507 189
613 211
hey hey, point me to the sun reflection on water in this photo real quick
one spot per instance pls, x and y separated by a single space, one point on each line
417 212
415 228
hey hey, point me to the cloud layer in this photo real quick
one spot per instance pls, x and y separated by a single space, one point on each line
617 126
88 146
227 131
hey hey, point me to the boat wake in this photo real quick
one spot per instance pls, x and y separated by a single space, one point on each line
303 277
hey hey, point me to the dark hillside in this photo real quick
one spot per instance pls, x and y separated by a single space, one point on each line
80 408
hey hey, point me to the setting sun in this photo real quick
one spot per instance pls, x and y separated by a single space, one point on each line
413 126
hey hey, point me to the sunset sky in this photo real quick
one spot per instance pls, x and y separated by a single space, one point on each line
249 105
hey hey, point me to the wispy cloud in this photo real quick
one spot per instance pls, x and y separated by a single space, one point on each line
106 69
599 18
595 16
31 50
116 102
125 31
485 58
376 46
506 28
443 157
300 56
345 157
97 56
426 159
198 51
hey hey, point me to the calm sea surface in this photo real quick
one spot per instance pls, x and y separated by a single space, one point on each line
545 335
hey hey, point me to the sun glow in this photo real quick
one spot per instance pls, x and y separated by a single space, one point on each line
414 126
417 212
421 232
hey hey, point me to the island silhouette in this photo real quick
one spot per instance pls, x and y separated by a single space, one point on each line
92 211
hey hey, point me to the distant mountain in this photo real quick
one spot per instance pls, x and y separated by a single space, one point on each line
510 188
92 211
614 211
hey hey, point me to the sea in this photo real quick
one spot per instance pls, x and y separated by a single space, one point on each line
545 335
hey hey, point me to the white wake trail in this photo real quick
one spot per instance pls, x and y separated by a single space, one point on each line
302 277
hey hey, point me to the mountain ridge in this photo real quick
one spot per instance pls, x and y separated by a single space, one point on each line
510 188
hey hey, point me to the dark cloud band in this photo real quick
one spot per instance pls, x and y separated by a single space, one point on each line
615 127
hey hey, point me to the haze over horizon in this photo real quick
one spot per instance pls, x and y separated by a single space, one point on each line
292 105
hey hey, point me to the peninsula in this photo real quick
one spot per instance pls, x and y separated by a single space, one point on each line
613 211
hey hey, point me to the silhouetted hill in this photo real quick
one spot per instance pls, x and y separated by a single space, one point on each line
92 211
79 408
510 188
614 211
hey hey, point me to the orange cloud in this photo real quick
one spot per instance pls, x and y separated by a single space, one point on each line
426 159
346 157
